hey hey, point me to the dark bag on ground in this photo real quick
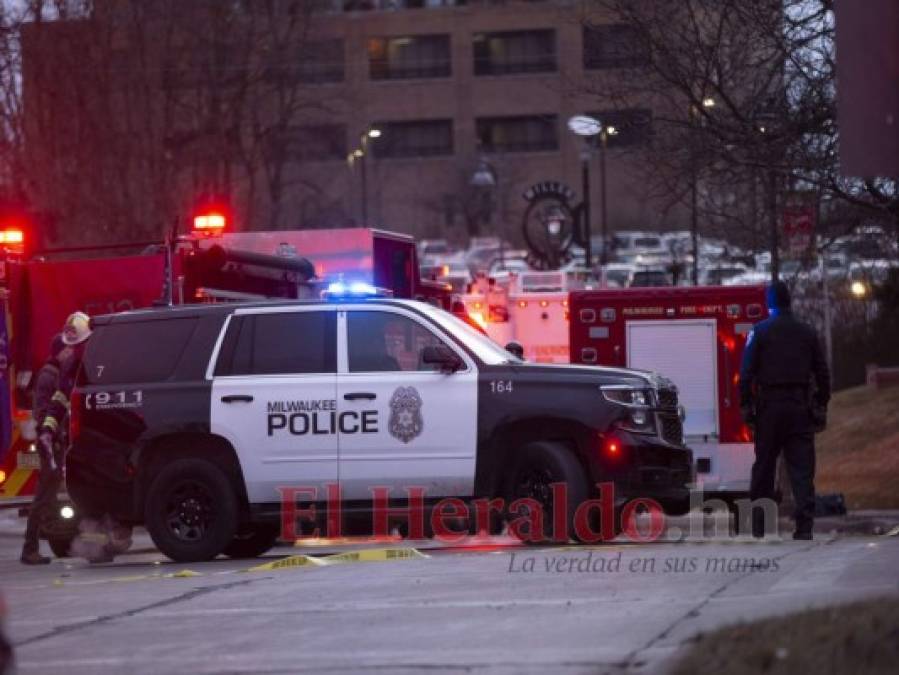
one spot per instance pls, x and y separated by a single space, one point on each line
830 505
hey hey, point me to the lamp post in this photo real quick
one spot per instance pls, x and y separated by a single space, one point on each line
588 127
765 123
359 154
696 117
484 180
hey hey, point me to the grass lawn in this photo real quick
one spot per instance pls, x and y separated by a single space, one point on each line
859 638
858 454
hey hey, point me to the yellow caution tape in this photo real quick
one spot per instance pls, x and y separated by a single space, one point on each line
182 574
287 563
365 555
373 555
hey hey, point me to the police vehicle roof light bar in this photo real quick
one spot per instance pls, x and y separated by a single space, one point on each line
354 289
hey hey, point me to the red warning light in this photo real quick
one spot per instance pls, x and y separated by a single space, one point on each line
611 446
522 303
12 236
211 222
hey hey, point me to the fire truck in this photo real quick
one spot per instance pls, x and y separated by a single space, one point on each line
531 308
694 336
39 290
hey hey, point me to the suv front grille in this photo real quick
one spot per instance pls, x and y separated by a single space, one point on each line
672 430
668 398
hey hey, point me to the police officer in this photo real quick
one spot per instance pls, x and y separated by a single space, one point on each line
53 384
784 390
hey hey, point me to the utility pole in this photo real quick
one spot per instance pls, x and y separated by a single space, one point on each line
694 222
603 138
585 206
772 224
363 161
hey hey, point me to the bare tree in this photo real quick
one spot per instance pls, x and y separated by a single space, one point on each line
117 116
744 100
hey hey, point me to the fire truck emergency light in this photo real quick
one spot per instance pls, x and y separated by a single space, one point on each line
210 223
12 236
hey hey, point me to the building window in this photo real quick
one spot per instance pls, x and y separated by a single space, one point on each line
633 126
219 65
321 62
420 138
526 51
533 133
317 142
317 62
614 46
415 56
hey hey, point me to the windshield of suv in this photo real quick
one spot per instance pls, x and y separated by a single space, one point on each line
484 348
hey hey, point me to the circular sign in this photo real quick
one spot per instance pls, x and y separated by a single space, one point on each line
582 125
549 230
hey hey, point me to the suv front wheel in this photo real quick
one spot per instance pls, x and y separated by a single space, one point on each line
191 510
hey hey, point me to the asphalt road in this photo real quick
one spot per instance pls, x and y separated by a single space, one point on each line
494 608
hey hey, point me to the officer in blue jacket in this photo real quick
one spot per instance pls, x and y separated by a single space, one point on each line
784 391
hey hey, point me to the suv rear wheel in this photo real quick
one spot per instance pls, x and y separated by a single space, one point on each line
191 510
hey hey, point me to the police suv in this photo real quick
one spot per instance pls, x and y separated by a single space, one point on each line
196 421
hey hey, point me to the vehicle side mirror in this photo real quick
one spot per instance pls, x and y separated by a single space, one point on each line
442 356
516 348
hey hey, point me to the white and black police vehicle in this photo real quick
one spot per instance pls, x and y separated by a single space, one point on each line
193 420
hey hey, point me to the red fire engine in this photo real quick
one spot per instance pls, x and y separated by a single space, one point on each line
38 292
695 337
692 335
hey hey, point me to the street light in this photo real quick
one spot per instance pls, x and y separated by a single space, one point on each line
588 127
708 103
359 154
484 181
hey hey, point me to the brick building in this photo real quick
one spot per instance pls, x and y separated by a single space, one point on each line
448 84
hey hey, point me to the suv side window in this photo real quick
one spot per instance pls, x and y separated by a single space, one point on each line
136 351
285 343
384 342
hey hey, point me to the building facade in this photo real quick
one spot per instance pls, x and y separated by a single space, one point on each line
450 87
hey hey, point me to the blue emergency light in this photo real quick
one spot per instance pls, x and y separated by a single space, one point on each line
354 290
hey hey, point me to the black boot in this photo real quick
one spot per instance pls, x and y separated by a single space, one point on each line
33 558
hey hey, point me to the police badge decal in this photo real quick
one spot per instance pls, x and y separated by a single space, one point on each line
406 422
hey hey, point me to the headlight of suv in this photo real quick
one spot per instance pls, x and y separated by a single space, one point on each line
639 402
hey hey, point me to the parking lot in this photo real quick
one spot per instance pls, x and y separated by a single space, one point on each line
494 607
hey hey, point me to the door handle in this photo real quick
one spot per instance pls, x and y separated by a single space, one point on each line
235 398
357 395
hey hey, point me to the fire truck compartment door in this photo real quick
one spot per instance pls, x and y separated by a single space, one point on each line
686 353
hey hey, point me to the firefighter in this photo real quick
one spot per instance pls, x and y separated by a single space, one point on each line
53 385
784 391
